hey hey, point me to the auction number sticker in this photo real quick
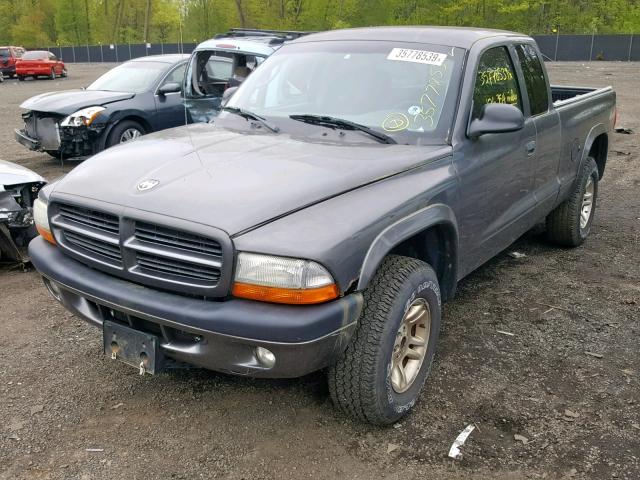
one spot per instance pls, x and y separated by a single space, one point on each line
417 56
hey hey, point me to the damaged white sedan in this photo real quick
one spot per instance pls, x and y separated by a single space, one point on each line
19 188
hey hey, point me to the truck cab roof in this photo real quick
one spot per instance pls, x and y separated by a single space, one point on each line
462 37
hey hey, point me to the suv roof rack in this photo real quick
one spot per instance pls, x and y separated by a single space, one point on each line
280 35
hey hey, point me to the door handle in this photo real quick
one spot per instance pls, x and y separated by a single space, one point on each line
531 147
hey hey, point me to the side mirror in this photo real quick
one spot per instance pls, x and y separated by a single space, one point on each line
171 87
227 94
496 118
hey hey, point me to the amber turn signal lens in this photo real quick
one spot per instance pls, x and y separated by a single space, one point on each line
46 234
285 295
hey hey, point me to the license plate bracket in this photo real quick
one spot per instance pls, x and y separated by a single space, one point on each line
133 347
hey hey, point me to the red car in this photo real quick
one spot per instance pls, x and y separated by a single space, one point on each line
8 57
40 63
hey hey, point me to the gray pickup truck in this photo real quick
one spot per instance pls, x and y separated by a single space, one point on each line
350 182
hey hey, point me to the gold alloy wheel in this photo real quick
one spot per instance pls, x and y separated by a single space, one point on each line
587 203
410 346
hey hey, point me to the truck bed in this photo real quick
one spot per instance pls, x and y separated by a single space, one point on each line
562 93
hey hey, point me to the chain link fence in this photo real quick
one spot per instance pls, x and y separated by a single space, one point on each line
554 48
117 52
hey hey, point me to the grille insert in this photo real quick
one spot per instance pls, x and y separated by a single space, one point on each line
156 264
179 260
94 245
90 218
167 237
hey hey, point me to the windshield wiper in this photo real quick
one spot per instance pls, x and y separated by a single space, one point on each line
246 114
333 122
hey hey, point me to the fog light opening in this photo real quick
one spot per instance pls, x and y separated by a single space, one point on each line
53 289
265 357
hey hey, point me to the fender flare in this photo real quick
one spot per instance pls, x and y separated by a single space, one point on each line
597 130
405 228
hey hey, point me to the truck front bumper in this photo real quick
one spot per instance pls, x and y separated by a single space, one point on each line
218 335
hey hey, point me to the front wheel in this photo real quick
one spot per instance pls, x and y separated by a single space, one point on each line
64 73
123 132
570 223
381 374
52 75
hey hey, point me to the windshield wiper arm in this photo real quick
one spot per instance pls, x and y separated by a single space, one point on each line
333 122
252 116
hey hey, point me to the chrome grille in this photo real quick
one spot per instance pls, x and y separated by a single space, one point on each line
145 252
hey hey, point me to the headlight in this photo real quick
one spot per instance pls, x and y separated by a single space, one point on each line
82 117
41 220
274 279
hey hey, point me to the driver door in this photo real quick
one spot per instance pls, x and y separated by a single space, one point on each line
170 107
496 169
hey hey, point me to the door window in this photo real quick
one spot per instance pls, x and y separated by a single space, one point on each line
534 79
495 81
176 75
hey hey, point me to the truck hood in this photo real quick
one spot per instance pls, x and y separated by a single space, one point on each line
69 101
234 180
14 174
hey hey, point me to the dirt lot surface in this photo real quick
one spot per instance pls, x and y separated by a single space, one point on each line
578 412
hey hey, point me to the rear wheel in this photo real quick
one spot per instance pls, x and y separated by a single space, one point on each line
570 223
20 78
380 376
123 132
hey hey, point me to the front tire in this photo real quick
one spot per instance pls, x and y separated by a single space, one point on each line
64 73
570 223
381 374
52 75
123 132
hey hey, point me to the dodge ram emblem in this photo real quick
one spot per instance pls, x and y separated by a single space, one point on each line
147 184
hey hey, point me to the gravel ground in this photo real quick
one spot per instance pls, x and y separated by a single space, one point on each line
578 413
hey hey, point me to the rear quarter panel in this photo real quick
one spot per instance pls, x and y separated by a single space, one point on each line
582 120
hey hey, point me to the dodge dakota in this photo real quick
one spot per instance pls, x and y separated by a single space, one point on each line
348 185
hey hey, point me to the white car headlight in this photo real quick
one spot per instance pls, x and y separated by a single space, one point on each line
282 280
41 219
84 117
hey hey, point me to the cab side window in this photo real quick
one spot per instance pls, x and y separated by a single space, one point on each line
534 79
496 81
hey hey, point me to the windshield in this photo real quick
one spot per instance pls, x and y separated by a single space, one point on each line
35 55
132 77
407 91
